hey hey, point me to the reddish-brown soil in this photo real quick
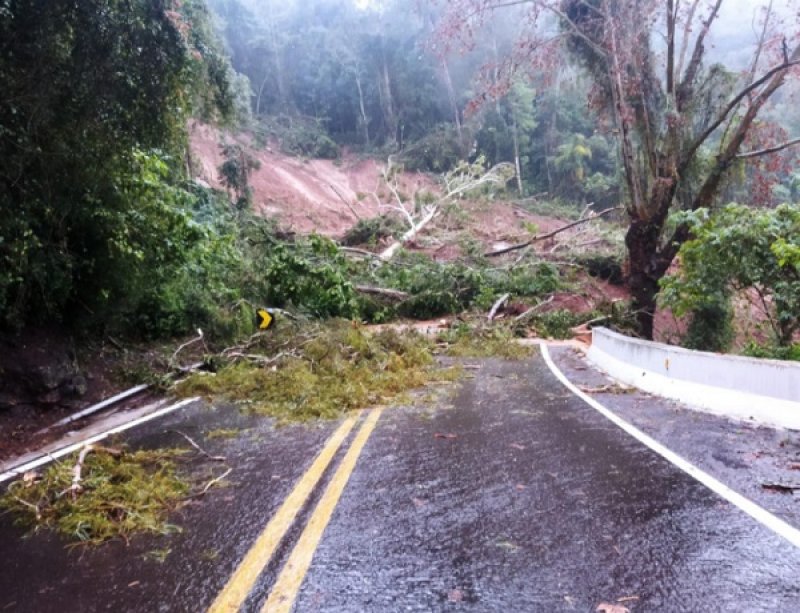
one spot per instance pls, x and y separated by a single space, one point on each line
323 196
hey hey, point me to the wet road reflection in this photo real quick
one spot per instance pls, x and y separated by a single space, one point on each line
510 494
534 502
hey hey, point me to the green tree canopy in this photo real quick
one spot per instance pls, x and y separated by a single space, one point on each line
739 248
94 99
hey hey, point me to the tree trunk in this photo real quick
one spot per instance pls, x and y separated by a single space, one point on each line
283 99
451 94
642 241
649 256
385 88
362 108
517 164
448 82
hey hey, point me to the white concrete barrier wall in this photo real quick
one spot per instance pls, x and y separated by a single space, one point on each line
765 391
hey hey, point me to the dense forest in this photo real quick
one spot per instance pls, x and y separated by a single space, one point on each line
382 78
103 227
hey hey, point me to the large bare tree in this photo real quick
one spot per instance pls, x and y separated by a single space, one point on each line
681 122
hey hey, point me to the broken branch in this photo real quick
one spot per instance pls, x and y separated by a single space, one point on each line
210 484
533 309
258 359
216 458
76 487
498 305
200 338
780 487
541 237
394 294
30 505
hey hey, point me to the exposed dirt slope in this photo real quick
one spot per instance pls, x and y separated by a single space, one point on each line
330 196
326 196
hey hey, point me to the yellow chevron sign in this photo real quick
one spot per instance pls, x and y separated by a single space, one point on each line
265 319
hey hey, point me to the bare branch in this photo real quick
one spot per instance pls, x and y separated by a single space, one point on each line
697 54
533 309
216 458
76 487
687 28
768 150
760 46
491 254
394 294
209 485
255 358
30 505
497 306
200 338
360 252
795 61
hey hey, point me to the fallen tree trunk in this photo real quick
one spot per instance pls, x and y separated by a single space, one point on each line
542 237
388 253
394 294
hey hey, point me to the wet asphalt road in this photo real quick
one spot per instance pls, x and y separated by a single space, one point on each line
505 493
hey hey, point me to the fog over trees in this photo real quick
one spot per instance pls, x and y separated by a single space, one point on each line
659 107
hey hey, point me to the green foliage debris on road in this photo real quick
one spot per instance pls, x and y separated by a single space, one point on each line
119 494
321 370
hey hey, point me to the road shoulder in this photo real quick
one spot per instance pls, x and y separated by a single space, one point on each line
742 455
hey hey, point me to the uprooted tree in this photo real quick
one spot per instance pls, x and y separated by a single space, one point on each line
465 178
681 124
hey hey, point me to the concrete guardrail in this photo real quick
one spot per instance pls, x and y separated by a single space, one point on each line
763 391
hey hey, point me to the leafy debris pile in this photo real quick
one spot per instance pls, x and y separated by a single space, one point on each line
483 341
110 494
313 371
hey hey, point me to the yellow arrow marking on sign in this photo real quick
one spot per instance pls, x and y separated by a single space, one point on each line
266 319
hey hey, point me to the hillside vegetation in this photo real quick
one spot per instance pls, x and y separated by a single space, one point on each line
168 166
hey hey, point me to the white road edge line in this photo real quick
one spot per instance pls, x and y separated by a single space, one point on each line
19 470
758 513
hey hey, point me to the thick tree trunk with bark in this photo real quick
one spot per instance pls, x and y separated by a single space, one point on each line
644 272
649 257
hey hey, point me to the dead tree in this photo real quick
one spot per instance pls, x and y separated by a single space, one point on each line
464 179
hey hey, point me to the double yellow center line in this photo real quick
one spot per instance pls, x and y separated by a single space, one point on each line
284 592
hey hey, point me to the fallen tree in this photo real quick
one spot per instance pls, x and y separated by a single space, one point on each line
463 179
542 237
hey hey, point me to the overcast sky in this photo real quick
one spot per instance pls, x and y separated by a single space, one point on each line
734 35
